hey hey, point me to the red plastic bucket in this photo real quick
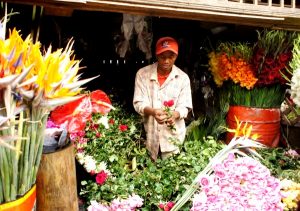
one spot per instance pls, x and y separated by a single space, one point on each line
265 122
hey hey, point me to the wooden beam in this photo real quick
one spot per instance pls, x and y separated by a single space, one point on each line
202 10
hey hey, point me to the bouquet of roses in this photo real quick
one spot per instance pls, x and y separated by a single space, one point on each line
168 109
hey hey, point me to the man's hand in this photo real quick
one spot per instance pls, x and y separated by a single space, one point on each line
171 119
160 116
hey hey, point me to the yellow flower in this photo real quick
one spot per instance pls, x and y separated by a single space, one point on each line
242 130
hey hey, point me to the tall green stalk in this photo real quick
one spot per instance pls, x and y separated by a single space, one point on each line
259 97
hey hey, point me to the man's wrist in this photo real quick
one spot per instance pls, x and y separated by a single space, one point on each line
176 114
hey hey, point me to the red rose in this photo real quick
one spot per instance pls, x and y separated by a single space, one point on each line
169 103
123 127
111 121
101 178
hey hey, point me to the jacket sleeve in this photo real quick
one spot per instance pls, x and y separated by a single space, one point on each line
140 98
184 104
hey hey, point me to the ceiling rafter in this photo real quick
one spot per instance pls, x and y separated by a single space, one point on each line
258 13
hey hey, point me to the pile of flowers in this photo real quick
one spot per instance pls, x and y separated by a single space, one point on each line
254 70
111 149
122 175
32 83
239 183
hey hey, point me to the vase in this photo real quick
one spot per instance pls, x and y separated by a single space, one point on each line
265 122
24 203
56 181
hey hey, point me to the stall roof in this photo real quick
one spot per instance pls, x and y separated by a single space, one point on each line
277 14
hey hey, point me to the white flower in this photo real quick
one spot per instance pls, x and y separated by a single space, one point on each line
101 167
104 121
80 157
295 87
89 163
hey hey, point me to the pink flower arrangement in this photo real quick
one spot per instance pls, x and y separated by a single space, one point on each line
129 204
239 183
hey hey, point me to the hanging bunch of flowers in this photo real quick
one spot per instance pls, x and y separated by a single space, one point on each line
31 85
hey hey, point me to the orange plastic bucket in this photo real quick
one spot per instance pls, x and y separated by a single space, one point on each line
25 203
265 122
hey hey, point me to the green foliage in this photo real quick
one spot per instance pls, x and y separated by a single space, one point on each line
134 172
242 50
260 97
281 163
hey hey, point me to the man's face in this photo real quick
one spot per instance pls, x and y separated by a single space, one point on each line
166 60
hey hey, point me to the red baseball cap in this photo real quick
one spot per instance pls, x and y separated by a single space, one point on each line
166 44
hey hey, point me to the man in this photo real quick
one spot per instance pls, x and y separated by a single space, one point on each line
155 85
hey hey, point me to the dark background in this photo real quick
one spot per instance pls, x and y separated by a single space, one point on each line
96 35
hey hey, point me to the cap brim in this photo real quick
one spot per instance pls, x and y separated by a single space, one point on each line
166 49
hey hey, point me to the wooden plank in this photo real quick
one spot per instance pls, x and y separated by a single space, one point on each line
203 10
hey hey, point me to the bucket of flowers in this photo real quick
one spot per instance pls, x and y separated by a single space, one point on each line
32 83
252 74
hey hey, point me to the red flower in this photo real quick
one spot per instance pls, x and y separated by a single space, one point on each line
94 126
123 127
284 57
169 103
101 178
167 206
161 205
98 135
269 61
170 204
111 121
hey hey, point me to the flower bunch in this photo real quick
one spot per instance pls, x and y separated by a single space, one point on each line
32 83
291 190
290 108
231 62
168 109
238 183
295 72
271 56
254 72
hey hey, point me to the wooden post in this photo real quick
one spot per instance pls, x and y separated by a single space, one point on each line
56 181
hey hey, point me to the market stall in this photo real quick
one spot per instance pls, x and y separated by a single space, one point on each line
235 54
